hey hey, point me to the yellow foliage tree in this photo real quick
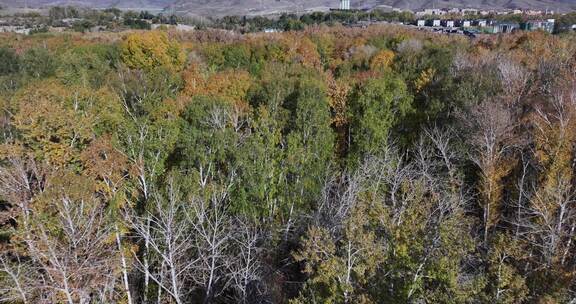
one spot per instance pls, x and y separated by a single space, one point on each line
231 85
382 60
106 165
148 50
57 122
425 78
338 92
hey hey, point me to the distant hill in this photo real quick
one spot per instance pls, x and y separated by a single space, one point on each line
557 5
242 7
256 7
136 4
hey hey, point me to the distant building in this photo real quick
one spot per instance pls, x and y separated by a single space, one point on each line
436 22
469 11
465 23
431 12
533 12
421 22
15 29
480 23
505 27
545 25
70 21
178 27
57 29
184 27
447 23
344 4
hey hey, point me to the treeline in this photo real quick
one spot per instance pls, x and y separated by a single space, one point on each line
84 19
113 19
294 22
333 165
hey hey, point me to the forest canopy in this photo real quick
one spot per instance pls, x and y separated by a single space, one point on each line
329 165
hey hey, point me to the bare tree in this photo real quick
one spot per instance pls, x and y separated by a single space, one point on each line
75 256
143 141
514 79
20 280
211 227
66 250
551 227
491 126
167 232
21 179
244 264
436 172
441 157
190 242
551 215
337 199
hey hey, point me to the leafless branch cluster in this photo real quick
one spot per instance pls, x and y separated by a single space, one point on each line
198 243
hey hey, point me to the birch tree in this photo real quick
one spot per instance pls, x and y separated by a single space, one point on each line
168 235
491 124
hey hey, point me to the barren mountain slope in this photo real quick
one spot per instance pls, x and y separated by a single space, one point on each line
242 7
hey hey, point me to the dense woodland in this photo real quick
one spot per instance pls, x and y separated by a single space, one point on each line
330 165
